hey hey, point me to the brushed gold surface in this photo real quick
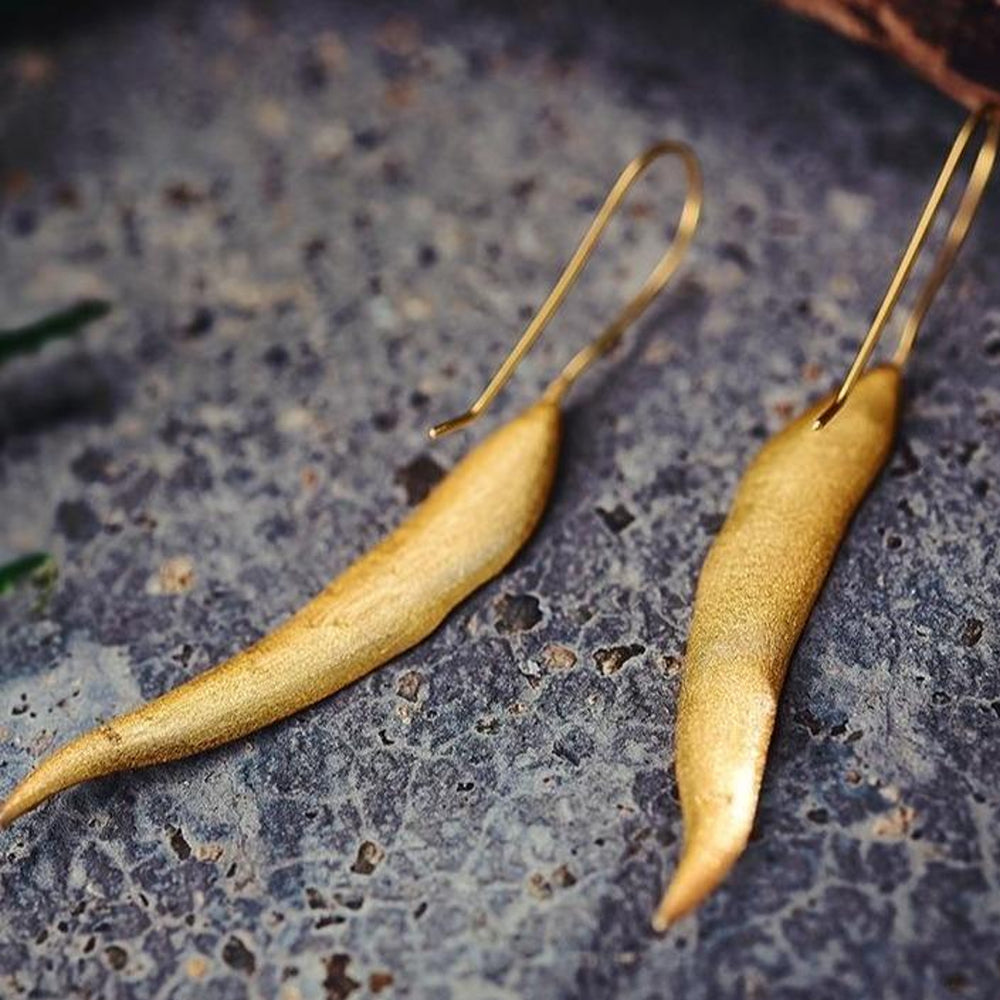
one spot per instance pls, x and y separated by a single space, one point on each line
757 588
387 601
394 596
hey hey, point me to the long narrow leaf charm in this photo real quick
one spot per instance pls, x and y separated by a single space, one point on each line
757 588
767 566
464 533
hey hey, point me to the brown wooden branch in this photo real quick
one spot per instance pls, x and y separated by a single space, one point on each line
953 43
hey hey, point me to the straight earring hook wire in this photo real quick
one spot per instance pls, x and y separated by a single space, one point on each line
634 308
957 232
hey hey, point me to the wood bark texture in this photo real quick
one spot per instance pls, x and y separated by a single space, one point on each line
953 43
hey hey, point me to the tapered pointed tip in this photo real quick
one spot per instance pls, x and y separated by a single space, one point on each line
703 866
68 766
662 919
682 896
13 807
31 791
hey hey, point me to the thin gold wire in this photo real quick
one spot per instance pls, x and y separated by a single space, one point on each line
957 232
633 309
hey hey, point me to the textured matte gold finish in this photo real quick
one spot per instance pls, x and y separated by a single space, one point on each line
757 588
394 596
767 567
466 531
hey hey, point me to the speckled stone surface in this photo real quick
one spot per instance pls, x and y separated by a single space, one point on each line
321 226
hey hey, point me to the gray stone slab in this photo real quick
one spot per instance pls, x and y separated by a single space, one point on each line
321 226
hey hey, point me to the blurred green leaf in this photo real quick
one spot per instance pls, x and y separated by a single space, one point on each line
24 567
56 326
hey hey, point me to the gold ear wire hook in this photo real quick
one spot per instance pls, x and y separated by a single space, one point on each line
957 231
633 309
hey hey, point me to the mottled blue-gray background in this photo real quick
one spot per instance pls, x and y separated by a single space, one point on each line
321 226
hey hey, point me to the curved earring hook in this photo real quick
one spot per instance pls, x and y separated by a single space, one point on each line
633 309
957 231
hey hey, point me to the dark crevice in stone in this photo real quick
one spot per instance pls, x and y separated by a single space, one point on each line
617 519
972 632
337 983
238 956
612 659
369 855
419 478
517 613
179 843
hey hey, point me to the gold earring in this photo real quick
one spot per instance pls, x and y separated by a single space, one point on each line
394 596
767 566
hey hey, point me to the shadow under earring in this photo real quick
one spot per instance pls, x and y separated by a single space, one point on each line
768 564
470 526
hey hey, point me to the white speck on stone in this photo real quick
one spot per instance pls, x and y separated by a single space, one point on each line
895 824
272 119
419 209
218 417
330 142
196 967
830 312
416 309
332 52
382 314
444 60
851 212
722 277
526 239
175 576
294 420
843 286
660 351
449 238
55 282
718 321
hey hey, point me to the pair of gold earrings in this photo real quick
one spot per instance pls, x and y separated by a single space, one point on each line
760 579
